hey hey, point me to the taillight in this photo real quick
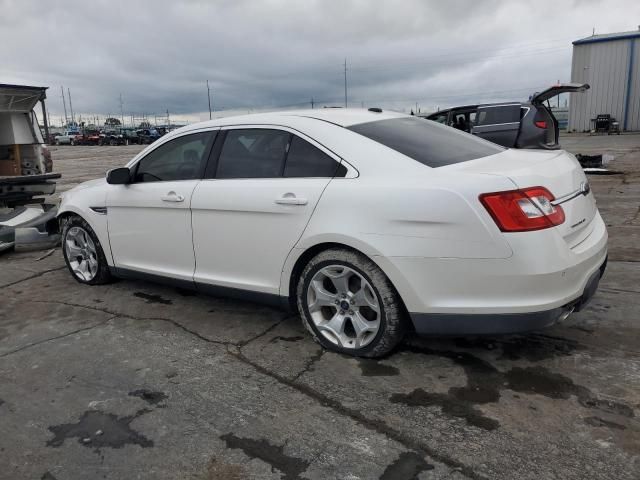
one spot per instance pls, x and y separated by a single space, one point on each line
540 124
523 210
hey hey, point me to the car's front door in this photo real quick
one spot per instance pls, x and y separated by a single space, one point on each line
255 206
149 220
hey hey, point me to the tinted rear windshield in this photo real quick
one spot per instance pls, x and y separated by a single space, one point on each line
426 141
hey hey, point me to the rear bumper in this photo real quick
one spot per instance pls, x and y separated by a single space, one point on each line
529 290
503 323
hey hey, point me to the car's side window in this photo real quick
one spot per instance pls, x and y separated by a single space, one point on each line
499 114
442 118
253 153
180 159
306 160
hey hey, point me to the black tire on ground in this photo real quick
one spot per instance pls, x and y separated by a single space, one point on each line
392 318
103 275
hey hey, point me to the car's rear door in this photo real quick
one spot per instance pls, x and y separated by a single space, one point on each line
149 220
498 123
262 186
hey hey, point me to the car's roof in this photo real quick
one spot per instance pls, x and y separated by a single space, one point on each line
344 117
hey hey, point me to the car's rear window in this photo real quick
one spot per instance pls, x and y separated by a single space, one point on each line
426 141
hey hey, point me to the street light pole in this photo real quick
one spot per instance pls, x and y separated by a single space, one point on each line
209 98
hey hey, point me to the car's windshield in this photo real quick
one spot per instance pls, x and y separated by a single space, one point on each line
427 142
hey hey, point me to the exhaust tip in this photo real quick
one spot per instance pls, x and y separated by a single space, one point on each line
564 315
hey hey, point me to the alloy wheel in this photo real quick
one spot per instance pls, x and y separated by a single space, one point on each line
343 306
81 253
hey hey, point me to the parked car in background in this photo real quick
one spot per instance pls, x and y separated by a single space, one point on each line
88 137
369 223
148 135
511 124
122 136
68 137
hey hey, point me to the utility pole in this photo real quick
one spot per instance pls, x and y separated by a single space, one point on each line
71 106
312 103
168 122
345 83
121 112
209 98
64 104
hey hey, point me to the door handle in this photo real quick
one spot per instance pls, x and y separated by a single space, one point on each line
291 199
172 197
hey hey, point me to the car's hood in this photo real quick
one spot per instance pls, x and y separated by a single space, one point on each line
90 183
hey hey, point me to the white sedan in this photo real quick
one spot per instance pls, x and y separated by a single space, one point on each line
370 223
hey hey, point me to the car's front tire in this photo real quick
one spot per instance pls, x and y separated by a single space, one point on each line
83 252
349 305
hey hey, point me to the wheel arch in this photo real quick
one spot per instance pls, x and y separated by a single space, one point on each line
96 221
306 254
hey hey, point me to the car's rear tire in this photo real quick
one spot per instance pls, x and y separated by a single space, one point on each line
349 305
83 252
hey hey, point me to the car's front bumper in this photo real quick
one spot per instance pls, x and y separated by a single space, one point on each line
30 230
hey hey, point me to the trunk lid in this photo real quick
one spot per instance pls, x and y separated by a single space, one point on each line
539 97
557 171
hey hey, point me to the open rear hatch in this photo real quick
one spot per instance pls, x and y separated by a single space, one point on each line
558 171
539 97
544 115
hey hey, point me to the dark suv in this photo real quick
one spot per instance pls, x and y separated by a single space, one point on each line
511 124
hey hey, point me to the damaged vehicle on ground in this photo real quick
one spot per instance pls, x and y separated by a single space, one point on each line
511 124
26 220
369 223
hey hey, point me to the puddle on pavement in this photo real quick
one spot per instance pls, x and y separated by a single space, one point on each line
534 348
601 422
373 368
407 467
290 467
485 382
97 430
295 338
149 396
152 298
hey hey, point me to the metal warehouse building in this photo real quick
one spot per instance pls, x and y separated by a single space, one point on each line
611 65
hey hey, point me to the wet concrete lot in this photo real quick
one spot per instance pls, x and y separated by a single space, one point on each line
136 380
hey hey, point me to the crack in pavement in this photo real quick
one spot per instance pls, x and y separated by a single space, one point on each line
235 349
379 427
310 363
31 277
57 337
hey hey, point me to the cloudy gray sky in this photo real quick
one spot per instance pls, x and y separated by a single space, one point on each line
273 54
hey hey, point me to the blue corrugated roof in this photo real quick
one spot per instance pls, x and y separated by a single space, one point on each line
608 37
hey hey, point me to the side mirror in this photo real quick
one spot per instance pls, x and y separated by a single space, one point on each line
119 176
